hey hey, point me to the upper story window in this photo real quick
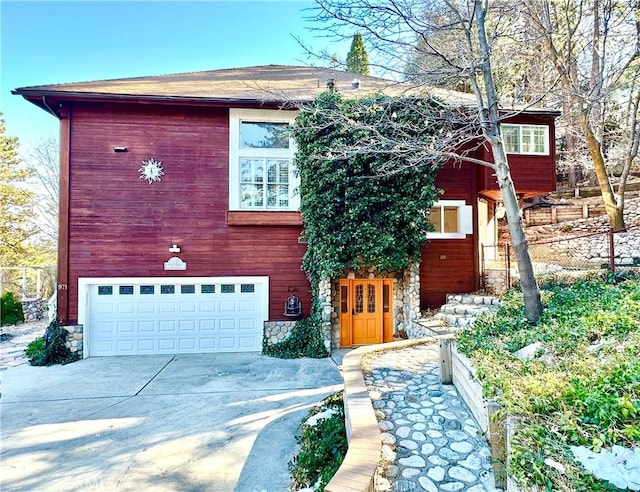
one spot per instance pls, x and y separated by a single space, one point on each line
261 151
451 219
526 139
264 135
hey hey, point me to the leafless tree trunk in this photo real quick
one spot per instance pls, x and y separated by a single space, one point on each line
594 46
490 121
44 165
395 27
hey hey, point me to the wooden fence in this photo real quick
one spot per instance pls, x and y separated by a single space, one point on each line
562 213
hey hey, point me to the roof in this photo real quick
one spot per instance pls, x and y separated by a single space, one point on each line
276 84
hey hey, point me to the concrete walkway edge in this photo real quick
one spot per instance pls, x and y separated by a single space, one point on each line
357 472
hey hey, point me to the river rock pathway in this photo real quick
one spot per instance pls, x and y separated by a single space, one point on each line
430 440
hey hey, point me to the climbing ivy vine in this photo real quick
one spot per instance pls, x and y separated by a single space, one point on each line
358 209
365 185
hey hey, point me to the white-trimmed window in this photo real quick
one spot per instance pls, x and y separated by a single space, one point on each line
451 219
261 151
525 139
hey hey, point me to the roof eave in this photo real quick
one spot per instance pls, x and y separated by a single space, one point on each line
38 97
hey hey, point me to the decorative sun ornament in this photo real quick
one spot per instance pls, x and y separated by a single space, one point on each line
151 170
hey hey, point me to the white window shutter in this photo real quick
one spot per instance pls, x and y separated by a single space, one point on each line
466 219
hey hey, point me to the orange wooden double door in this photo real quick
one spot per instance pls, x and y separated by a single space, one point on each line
366 311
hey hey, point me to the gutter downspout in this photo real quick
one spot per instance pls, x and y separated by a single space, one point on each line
44 101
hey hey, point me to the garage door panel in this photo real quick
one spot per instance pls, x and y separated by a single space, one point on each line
126 308
247 306
125 346
170 317
166 326
228 343
167 306
103 308
187 307
246 324
126 327
105 328
187 325
147 346
227 325
208 307
228 306
147 308
187 344
207 325
245 342
208 344
167 344
146 327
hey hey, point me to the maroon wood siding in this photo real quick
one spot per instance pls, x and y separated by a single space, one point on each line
531 174
122 226
449 265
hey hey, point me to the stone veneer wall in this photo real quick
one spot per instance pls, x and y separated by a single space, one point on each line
75 339
406 300
277 331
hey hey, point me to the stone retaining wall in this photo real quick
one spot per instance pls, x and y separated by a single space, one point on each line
575 245
34 309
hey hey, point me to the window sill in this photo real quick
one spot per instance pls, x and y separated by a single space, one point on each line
446 235
246 217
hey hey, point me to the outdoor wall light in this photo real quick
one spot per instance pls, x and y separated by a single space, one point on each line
174 248
120 149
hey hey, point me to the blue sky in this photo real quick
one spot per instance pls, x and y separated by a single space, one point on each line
51 42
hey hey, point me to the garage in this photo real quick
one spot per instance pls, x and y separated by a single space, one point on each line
177 315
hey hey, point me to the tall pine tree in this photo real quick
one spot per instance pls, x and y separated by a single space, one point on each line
357 59
16 202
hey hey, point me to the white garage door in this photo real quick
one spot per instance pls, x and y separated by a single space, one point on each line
173 316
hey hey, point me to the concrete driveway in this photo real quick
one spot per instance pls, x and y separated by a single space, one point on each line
214 422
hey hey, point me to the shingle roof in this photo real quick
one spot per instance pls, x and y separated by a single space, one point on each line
258 84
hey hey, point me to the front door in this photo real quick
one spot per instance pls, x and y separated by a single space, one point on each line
365 311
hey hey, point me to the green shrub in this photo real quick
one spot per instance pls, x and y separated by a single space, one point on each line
35 351
10 310
305 340
51 349
582 388
322 446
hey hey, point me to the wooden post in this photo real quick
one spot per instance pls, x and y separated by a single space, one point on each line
554 215
585 210
24 284
39 283
508 270
498 442
612 252
446 374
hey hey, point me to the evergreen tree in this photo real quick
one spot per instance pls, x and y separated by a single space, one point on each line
16 202
357 59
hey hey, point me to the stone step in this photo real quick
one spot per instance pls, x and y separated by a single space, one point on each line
434 327
473 310
455 320
472 299
462 310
